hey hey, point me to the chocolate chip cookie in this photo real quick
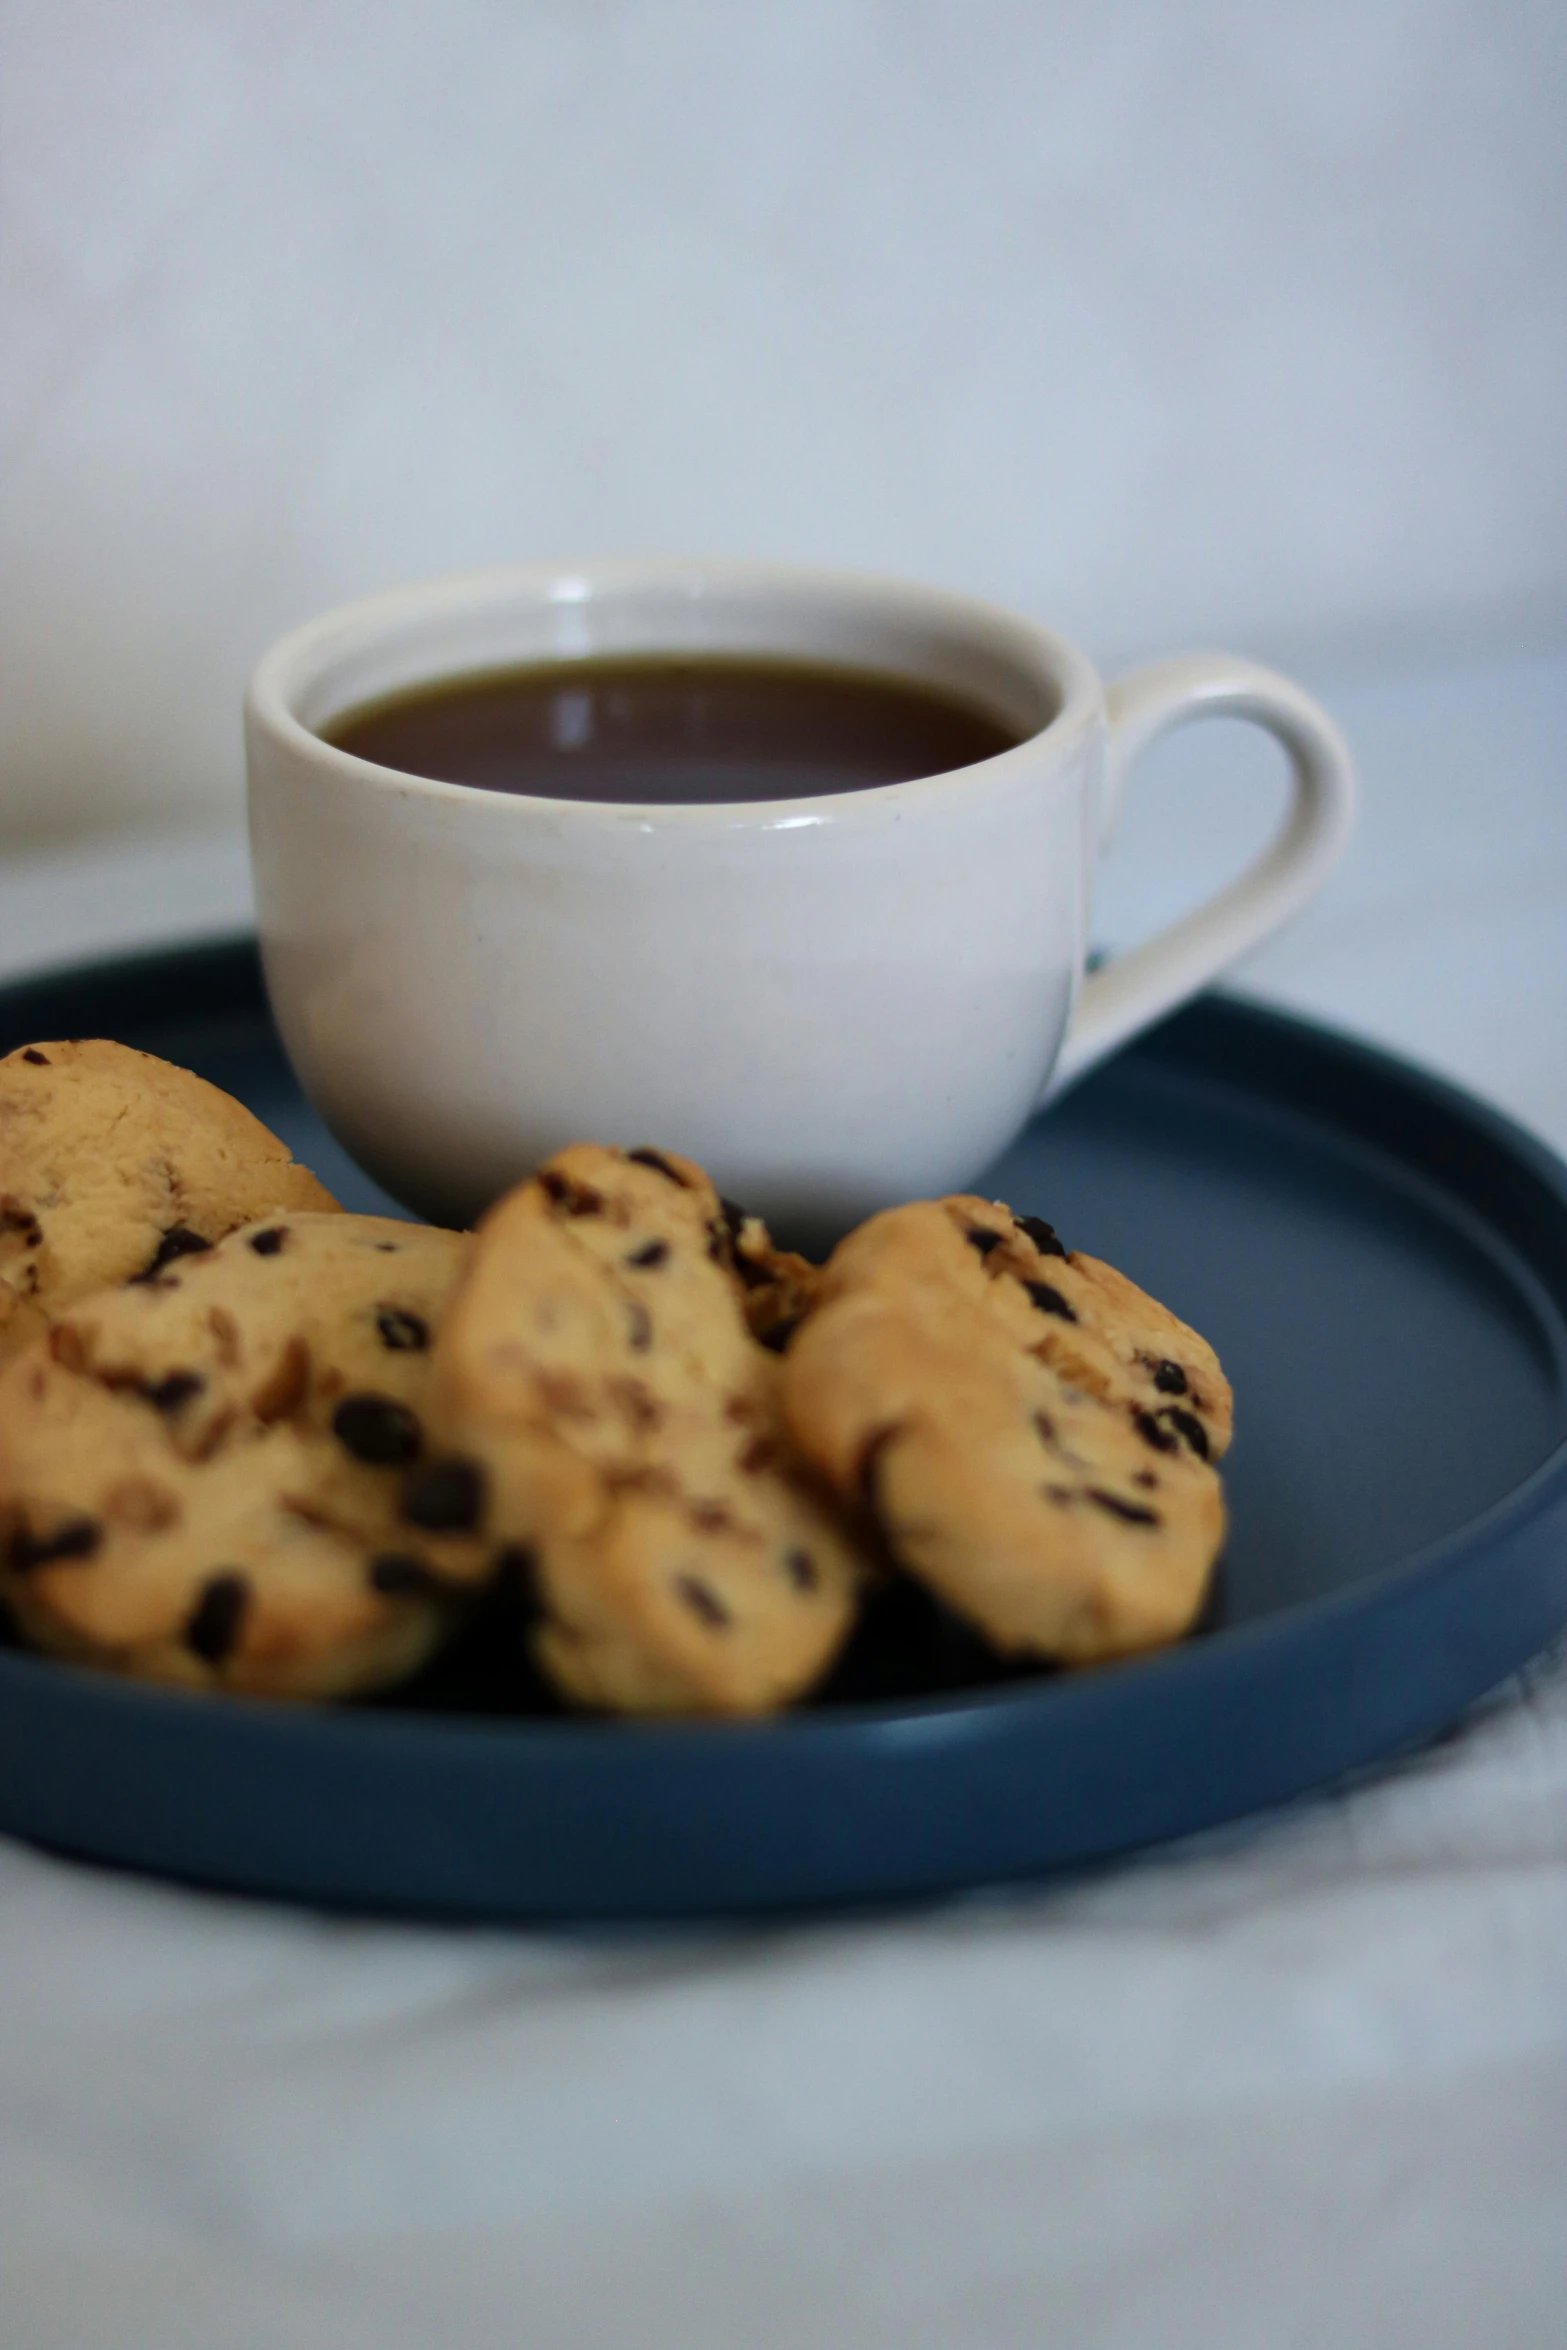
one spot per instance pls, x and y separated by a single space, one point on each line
1102 1333
114 1164
613 1427
202 1474
1032 1434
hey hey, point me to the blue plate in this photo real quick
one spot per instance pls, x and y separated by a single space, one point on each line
1382 1265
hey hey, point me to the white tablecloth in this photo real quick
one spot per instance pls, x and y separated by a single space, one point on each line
1303 2082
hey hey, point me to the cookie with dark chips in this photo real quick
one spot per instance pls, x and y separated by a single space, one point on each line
613 1429
1102 1333
202 1474
1033 1435
114 1164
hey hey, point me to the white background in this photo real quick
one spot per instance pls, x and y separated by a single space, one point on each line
1227 320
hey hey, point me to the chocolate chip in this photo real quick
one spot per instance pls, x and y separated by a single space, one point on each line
404 1333
377 1429
1169 1378
38 1059
398 1575
978 1237
178 1241
1044 1236
174 1389
578 1199
1048 1300
735 1216
14 1218
777 1335
702 1600
1145 1478
1046 1427
656 1252
639 1324
1188 1425
1133 1513
212 1628
802 1570
752 1275
517 1568
446 1497
659 1164
270 1242
1150 1431
77 1538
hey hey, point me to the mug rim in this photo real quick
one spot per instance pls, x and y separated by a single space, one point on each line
294 661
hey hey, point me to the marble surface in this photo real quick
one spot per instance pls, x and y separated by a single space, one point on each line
1228 321
1300 2082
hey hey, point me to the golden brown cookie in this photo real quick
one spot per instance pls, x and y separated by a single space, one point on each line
1009 1414
610 1415
112 1164
201 1475
1104 1334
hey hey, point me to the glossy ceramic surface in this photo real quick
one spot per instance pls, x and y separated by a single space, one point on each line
1383 1267
834 1001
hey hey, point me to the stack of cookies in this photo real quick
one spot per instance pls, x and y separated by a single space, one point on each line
250 1442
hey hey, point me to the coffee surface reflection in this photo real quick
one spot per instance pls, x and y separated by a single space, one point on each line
662 731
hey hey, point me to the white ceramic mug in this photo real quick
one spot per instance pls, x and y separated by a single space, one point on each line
833 1002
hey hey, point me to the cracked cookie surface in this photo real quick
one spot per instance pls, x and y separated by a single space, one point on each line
613 1424
202 1474
1032 1433
113 1163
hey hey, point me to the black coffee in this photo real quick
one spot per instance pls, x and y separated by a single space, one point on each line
658 729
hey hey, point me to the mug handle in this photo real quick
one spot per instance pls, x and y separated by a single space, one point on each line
1137 988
